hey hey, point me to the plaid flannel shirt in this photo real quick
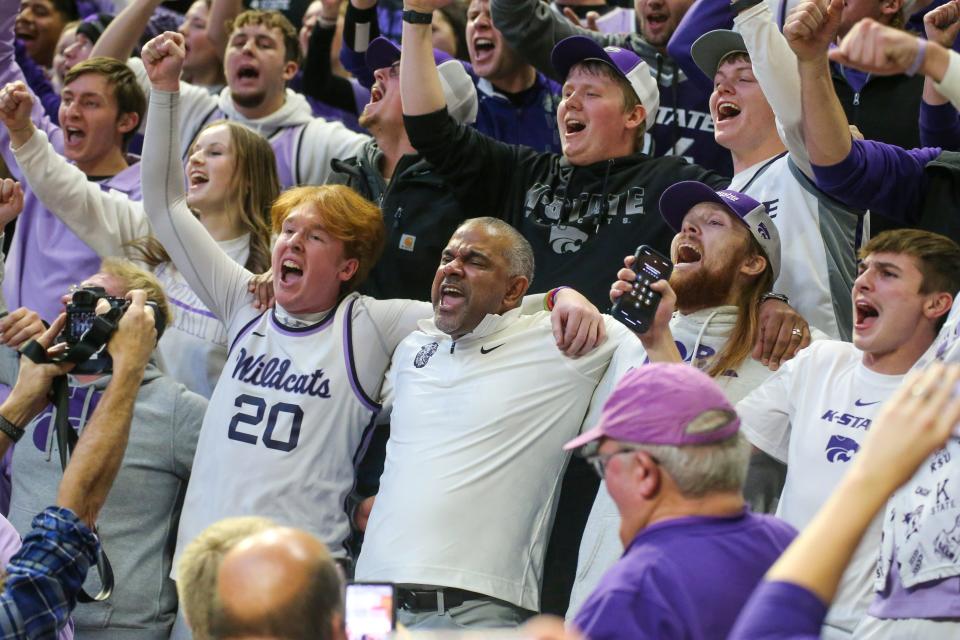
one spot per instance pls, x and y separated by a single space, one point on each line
45 576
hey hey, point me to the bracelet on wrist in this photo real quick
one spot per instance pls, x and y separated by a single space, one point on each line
417 17
551 298
11 430
774 296
919 58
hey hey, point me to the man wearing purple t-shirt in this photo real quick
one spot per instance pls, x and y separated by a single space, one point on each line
669 447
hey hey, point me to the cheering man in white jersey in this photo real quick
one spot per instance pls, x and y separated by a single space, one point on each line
813 413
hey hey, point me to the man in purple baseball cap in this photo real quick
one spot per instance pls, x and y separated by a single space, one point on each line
669 448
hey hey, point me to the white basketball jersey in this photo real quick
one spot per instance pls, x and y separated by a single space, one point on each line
286 425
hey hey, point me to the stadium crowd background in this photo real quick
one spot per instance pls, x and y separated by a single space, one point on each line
376 245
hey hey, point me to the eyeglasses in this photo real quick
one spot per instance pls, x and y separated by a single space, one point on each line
599 461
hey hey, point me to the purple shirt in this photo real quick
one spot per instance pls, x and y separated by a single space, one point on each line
684 578
884 178
781 611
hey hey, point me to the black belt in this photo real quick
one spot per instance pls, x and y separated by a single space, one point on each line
430 599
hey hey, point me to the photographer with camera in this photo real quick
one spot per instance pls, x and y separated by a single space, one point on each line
44 576
139 520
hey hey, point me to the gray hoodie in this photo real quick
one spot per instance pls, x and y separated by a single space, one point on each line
138 523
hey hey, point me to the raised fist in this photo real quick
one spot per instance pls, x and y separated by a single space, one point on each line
811 27
163 58
16 101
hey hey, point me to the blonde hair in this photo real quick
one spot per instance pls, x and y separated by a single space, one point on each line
256 185
744 336
133 277
200 564
345 215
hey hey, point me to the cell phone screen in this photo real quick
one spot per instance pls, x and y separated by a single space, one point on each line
370 610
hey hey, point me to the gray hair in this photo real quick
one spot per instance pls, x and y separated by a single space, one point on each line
519 254
705 468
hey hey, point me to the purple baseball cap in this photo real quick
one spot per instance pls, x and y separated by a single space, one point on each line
679 198
383 52
626 63
664 404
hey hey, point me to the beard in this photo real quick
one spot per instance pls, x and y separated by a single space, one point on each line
704 288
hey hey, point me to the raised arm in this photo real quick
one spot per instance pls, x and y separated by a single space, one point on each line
319 80
485 175
775 67
864 174
221 12
219 282
809 30
104 221
939 121
123 33
533 29
420 86
360 28
914 422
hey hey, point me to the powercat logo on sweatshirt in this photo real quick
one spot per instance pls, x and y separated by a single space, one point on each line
572 220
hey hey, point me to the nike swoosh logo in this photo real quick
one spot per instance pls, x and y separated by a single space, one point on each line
258 334
485 351
864 404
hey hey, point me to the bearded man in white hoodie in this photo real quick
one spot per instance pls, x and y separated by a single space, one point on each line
726 257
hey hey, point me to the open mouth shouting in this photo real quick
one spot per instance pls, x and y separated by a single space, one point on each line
198 178
727 110
688 255
247 73
483 48
290 271
573 126
73 136
866 315
451 297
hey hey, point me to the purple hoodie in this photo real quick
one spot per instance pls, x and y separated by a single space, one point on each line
45 256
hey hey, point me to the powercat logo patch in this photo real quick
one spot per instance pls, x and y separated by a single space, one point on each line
423 356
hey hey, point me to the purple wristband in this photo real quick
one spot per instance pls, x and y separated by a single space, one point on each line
918 60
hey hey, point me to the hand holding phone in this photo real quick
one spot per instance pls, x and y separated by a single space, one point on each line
638 307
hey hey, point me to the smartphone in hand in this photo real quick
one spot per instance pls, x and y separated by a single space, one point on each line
637 307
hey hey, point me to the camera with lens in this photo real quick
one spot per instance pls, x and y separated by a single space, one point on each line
87 333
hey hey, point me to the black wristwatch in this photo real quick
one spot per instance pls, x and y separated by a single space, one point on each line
774 296
417 17
738 7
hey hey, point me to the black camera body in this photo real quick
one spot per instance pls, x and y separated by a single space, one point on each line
86 333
